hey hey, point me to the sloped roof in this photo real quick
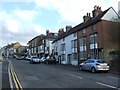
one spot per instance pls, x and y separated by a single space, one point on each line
51 36
82 25
42 35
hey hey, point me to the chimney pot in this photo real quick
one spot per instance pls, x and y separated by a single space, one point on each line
47 32
87 14
95 7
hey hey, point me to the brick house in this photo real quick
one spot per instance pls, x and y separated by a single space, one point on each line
42 45
98 34
36 46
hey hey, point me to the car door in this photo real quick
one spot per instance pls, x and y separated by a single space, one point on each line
90 65
86 64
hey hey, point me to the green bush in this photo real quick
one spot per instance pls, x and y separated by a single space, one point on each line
115 52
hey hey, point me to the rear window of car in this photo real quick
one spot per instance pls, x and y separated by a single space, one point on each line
101 61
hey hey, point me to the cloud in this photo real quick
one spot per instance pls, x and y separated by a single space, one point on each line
38 28
12 25
18 25
72 11
25 15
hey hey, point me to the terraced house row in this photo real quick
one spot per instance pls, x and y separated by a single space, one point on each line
95 37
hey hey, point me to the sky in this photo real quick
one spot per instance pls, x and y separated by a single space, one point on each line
22 20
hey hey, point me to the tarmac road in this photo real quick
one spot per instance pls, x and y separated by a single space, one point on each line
5 74
60 76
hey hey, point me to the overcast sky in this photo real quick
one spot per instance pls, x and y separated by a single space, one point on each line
21 20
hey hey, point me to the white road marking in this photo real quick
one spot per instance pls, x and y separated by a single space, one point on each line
106 85
74 76
113 77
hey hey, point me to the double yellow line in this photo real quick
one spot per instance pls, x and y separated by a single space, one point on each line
14 77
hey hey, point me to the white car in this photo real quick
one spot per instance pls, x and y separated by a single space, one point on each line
35 59
94 65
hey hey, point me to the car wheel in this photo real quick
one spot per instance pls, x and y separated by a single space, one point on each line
81 69
93 70
30 61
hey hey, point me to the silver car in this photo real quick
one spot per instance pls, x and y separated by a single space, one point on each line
35 59
94 65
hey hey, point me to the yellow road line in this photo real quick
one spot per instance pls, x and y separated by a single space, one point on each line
15 81
15 78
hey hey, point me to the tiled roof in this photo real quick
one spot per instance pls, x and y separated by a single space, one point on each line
82 25
42 35
51 36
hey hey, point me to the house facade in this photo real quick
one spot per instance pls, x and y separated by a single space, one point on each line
95 37
98 35
65 46
22 50
41 45
36 46
49 38
11 49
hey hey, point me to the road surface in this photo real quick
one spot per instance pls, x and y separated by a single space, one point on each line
61 76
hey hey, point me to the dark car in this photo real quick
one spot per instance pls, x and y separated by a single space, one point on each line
50 60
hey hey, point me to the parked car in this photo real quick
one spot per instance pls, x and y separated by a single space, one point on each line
34 59
22 57
28 57
42 59
94 65
50 60
18 57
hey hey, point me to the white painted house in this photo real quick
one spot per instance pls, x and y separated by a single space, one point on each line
65 46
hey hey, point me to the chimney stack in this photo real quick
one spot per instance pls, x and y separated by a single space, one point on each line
47 32
61 30
68 27
97 10
85 18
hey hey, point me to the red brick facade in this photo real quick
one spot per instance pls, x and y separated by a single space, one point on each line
107 38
